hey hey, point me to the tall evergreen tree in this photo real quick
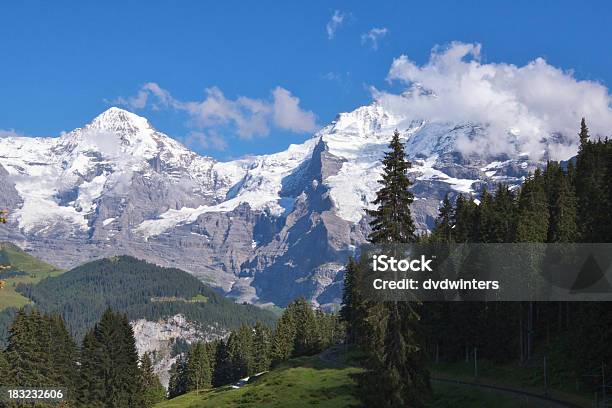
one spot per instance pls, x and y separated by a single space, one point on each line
443 229
392 220
198 369
562 205
397 376
110 364
584 133
464 219
283 341
262 347
305 339
177 384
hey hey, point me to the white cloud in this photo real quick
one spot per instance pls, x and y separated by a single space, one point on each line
373 36
247 117
206 141
9 133
521 106
288 115
334 23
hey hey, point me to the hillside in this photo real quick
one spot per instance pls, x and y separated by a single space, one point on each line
20 267
140 289
317 381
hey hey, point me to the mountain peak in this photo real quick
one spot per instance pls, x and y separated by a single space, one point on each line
119 120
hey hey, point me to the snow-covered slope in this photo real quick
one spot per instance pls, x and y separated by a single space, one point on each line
264 228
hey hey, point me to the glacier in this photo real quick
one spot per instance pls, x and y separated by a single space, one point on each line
264 229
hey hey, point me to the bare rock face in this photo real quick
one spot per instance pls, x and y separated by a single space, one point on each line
160 339
265 229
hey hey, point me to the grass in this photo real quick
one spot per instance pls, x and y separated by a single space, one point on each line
528 379
35 270
455 396
329 382
301 382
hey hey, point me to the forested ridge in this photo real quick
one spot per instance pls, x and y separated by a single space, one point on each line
135 287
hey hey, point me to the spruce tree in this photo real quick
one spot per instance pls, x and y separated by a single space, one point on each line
283 341
562 205
533 214
262 346
584 133
443 229
150 389
177 384
397 376
305 338
392 220
198 368
464 219
109 364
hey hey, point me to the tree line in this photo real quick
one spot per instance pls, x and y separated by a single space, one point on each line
250 350
104 372
563 202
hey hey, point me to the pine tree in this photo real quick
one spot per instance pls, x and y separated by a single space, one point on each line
198 368
283 341
150 389
562 205
177 384
584 133
223 373
262 346
109 364
305 339
464 220
392 220
533 215
25 351
443 228
397 376
91 387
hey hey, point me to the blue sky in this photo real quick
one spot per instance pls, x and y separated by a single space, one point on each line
64 62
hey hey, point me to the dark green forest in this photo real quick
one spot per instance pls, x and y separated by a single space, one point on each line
104 372
563 202
138 289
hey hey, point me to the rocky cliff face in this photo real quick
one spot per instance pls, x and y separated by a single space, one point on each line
160 340
264 229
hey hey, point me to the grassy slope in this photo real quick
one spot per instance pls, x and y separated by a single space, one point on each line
529 379
36 270
310 381
302 382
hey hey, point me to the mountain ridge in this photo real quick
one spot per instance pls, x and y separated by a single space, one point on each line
264 228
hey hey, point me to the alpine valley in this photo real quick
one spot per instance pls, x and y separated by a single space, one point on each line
264 229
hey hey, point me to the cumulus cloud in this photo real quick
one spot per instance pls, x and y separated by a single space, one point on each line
373 36
522 107
247 117
334 23
287 112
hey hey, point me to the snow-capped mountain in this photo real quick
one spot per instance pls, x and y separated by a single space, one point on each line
265 228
